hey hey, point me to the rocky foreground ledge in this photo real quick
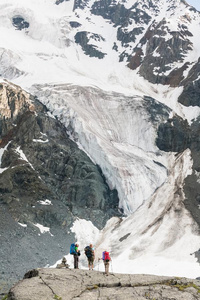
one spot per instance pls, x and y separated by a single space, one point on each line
68 284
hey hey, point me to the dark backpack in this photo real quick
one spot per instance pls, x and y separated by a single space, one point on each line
72 249
88 251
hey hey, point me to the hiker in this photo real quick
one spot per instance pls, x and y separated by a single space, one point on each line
76 256
89 252
106 259
76 253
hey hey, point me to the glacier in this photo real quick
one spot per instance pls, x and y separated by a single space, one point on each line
113 114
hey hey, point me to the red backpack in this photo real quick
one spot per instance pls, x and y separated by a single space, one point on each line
106 256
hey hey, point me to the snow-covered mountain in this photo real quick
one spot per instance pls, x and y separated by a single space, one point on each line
123 78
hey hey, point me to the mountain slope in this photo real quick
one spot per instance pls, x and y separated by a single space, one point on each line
123 78
46 182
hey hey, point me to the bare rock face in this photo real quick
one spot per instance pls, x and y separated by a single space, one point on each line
13 103
45 180
82 38
19 23
155 62
67 284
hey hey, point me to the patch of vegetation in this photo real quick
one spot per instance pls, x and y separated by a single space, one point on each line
148 296
92 287
182 286
57 297
5 297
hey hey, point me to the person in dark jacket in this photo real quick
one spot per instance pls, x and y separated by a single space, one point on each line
89 252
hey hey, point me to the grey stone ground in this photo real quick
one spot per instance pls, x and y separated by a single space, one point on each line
69 284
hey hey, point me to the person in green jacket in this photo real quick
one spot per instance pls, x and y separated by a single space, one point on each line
76 256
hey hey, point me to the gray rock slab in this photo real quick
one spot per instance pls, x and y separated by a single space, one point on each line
68 284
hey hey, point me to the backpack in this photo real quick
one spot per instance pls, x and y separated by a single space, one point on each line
88 252
106 256
72 249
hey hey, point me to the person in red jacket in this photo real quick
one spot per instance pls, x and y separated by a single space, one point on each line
106 259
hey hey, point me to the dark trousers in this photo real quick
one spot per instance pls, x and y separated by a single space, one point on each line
75 261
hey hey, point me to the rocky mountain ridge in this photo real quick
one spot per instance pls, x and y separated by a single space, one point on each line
144 31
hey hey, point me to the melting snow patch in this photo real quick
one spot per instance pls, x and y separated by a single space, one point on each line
3 169
155 54
40 141
23 156
46 202
85 231
50 115
23 225
191 113
43 229
1 154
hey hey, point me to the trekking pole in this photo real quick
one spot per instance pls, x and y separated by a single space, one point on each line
111 267
98 264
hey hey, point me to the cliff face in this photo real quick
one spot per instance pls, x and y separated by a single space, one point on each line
66 284
46 182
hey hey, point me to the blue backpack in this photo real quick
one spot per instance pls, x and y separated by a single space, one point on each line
72 249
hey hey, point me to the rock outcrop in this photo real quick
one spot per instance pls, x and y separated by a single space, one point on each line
83 38
67 284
